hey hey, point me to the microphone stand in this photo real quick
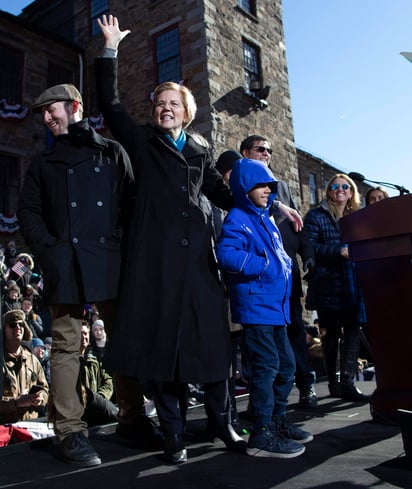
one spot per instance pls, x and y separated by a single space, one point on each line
361 178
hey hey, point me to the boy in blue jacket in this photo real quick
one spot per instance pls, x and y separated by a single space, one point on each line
258 274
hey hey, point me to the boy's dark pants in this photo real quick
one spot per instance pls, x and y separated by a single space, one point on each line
269 368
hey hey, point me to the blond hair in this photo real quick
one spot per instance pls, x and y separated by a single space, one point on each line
188 99
353 204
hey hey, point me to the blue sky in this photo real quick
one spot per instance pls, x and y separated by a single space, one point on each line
350 88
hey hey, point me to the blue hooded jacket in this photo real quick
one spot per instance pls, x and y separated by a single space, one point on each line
250 252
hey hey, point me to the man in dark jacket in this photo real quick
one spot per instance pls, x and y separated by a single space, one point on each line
70 217
295 243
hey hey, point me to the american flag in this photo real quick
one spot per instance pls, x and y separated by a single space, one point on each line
19 268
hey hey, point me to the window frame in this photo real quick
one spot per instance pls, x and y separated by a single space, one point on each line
15 95
250 74
94 29
176 56
248 6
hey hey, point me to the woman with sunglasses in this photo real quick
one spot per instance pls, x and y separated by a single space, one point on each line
329 290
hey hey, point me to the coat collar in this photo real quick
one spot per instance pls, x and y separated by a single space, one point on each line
82 140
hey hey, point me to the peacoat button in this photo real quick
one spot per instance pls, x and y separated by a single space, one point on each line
99 203
183 188
184 242
101 240
185 214
71 171
73 204
97 169
75 240
182 165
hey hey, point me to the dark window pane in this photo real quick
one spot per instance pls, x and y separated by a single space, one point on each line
11 74
167 54
97 9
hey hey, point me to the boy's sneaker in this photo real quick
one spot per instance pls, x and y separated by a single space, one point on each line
284 427
263 442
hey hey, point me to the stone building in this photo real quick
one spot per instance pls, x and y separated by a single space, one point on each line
231 54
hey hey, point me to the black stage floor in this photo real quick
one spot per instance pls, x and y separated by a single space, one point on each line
349 451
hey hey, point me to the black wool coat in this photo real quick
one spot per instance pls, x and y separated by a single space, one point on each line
70 215
172 319
327 284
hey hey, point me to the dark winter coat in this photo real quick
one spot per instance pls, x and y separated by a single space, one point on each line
295 242
327 285
172 319
250 251
70 218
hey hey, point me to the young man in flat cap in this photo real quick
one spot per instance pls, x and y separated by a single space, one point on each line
70 214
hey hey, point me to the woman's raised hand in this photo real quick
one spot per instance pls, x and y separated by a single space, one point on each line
109 26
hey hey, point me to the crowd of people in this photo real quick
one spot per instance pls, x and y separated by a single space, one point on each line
157 270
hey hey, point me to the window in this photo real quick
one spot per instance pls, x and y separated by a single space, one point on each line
97 9
58 74
167 54
251 63
9 183
313 198
248 6
11 75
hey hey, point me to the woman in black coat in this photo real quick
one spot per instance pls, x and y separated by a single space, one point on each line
171 326
329 291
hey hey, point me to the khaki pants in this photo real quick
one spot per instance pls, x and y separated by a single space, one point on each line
65 369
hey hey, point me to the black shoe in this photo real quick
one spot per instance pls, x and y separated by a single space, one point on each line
308 398
76 449
349 392
174 450
230 438
143 433
335 389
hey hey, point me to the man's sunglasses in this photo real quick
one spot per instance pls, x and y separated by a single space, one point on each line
262 149
14 324
337 186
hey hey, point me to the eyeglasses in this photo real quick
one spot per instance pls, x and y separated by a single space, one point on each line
262 149
14 324
337 186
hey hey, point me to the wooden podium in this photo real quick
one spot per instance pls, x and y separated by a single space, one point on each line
380 243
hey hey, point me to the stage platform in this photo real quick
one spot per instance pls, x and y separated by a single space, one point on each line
349 450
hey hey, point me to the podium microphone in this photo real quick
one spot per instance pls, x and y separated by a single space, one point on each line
360 178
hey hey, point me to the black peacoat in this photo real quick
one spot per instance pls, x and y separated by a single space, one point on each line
172 320
70 215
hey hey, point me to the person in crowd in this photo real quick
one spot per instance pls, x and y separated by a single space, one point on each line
48 341
33 294
25 388
296 243
70 214
42 353
4 269
91 313
259 279
21 271
12 297
33 320
328 286
98 384
376 194
10 253
171 296
98 340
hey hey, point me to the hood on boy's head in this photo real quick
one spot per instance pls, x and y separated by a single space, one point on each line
246 174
